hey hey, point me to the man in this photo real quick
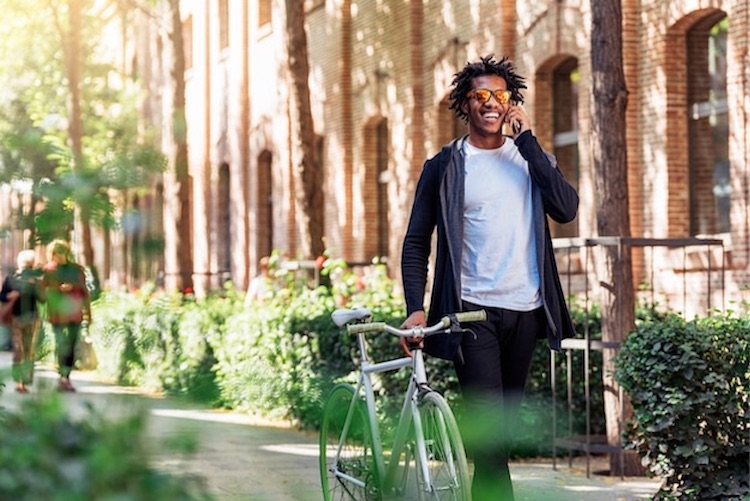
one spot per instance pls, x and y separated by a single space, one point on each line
489 195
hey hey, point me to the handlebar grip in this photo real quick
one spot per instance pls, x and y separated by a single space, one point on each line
368 327
471 316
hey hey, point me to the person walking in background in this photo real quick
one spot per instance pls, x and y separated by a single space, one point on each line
24 289
68 305
260 286
489 194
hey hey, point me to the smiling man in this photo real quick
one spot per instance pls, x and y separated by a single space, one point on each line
489 194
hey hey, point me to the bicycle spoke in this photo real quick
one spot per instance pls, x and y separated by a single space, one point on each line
346 461
446 460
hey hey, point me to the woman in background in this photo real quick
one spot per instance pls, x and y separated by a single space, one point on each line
23 288
68 305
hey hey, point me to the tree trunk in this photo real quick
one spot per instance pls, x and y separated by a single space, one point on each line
73 66
609 102
306 166
183 243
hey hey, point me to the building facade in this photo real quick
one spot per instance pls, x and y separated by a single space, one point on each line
380 74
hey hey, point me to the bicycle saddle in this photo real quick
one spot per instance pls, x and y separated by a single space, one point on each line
343 316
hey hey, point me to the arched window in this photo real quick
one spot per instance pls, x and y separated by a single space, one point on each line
223 24
565 78
224 221
708 127
375 190
264 230
449 126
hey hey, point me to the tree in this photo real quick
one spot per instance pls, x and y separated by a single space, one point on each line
609 102
307 167
67 161
183 246
73 50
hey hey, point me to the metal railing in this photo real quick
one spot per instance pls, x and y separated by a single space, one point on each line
578 275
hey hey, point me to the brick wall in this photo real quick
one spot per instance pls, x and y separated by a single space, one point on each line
392 63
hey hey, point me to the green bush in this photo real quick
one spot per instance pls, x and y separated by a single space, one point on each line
688 381
47 455
280 358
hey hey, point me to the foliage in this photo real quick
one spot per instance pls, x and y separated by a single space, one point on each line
48 455
117 154
281 356
157 341
688 381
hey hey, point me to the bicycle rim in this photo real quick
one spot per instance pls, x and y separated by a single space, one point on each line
349 475
448 469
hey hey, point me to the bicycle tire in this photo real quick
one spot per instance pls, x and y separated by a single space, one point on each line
446 456
356 459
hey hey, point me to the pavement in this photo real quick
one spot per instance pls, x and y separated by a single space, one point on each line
243 458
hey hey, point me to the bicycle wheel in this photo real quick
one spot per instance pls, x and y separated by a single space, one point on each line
446 458
350 474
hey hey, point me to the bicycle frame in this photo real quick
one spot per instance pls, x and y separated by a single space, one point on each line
433 440
417 382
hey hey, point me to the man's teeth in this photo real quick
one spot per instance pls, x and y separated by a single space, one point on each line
491 115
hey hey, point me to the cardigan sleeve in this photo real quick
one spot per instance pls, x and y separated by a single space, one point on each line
418 240
559 197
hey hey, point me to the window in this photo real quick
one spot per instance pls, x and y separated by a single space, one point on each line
381 164
264 231
565 78
264 12
708 127
223 24
224 221
375 189
449 125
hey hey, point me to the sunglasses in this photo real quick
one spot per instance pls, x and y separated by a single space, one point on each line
484 95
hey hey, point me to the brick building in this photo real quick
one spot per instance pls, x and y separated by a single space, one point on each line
379 81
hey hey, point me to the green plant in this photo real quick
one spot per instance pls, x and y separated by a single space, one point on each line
688 381
48 455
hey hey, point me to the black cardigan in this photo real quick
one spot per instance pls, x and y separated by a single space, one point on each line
438 203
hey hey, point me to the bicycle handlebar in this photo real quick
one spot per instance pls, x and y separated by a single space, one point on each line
443 324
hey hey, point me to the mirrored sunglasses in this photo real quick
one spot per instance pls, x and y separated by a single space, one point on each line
483 95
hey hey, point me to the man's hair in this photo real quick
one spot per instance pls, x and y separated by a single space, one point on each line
462 81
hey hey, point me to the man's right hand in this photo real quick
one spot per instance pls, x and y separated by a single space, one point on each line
416 319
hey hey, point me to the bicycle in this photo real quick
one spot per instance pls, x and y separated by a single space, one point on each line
353 465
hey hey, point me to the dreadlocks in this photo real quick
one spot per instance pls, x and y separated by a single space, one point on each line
462 81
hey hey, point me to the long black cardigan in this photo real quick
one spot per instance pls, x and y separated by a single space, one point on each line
438 202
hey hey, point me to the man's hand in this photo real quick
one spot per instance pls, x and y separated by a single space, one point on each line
416 319
517 115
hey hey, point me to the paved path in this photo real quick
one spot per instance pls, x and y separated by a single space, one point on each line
242 459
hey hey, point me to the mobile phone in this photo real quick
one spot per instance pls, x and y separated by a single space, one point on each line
511 128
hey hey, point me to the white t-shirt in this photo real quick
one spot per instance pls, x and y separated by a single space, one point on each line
499 267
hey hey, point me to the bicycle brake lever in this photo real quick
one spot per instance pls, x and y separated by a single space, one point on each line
467 331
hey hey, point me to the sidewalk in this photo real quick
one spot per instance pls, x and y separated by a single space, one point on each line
243 459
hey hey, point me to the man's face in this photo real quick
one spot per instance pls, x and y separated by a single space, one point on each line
486 117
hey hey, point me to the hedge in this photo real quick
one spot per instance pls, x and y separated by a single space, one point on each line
688 381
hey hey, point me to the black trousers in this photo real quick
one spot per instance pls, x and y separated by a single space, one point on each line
496 361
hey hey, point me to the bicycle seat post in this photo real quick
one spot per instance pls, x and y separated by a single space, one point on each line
363 358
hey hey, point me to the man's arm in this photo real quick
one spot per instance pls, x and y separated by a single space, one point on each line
418 240
559 197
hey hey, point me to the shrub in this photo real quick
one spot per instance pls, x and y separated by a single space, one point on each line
688 382
47 455
279 358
